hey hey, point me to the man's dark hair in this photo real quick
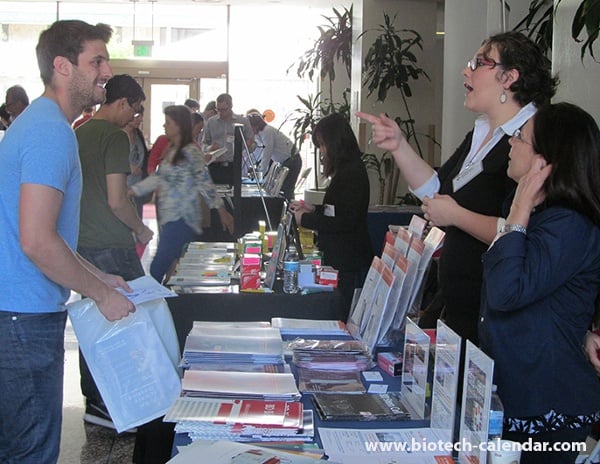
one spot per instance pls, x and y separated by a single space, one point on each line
196 118
123 86
192 104
66 38
211 106
4 114
225 98
256 121
18 94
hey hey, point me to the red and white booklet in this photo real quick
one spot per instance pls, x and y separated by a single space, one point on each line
281 414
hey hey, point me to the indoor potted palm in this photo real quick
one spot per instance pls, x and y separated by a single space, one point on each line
391 63
332 46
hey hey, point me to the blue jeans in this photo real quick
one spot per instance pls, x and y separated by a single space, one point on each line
119 261
32 362
173 237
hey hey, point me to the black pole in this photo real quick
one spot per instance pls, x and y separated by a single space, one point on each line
237 179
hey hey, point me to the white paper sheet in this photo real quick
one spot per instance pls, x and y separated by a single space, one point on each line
146 289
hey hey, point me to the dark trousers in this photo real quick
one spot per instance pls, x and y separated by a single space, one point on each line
119 261
173 237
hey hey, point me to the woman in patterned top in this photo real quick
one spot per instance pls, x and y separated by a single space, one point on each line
181 179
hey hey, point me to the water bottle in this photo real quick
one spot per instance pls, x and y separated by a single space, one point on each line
496 416
291 266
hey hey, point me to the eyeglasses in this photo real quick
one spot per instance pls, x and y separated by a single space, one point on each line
136 111
480 61
518 134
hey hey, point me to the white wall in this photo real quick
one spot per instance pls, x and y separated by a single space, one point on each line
426 102
579 81
467 23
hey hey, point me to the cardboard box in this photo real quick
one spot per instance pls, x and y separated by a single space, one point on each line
390 363
250 271
328 276
306 276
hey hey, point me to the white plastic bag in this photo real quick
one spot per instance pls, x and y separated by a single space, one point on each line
133 361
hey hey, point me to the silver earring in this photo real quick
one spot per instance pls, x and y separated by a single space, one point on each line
503 97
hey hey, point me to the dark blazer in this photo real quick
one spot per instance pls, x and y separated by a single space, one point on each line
460 267
538 301
344 237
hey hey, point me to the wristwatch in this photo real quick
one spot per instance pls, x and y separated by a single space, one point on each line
506 228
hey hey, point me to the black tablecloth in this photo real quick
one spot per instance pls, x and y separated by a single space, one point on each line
252 211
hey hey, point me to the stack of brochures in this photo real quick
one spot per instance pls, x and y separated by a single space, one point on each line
241 420
205 264
349 355
225 452
241 385
225 343
307 327
393 287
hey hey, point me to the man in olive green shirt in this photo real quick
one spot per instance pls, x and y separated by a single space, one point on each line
109 223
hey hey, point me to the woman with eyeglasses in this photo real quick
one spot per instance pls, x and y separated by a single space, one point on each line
341 221
181 178
505 82
541 281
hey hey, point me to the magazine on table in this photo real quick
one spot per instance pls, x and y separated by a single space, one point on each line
313 380
360 407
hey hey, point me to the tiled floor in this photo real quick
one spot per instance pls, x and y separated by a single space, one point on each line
84 443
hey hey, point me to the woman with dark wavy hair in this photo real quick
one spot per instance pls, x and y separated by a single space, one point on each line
542 280
506 81
181 179
341 222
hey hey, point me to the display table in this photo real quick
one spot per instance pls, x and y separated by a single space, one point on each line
393 383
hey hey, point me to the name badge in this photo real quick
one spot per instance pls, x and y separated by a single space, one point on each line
329 210
467 175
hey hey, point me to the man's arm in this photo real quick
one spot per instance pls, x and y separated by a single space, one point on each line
39 207
116 186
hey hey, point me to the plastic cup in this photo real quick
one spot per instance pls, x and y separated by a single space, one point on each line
504 452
